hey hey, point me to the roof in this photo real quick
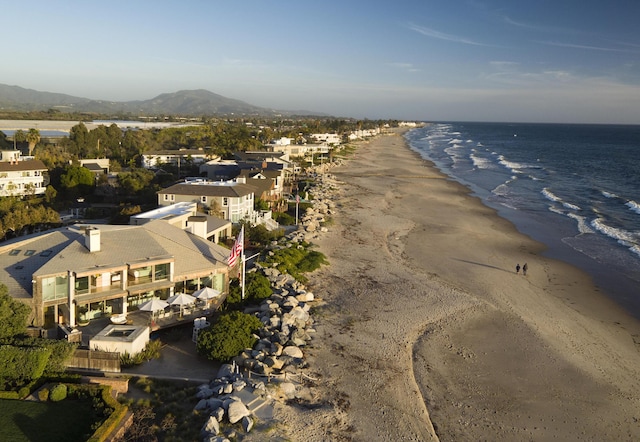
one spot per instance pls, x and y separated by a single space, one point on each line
62 250
209 189
7 166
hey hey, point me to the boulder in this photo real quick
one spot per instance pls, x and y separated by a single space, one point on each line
236 411
292 351
247 424
288 389
211 426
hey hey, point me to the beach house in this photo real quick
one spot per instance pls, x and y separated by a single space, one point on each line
21 177
90 271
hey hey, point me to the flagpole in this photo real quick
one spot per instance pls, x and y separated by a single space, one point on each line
243 262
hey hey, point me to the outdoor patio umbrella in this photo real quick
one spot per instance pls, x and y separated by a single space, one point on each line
154 305
206 293
181 299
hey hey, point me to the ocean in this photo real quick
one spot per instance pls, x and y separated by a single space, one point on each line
574 188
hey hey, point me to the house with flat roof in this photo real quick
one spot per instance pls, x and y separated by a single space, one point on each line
151 160
107 269
185 215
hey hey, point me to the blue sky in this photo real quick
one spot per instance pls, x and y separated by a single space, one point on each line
446 60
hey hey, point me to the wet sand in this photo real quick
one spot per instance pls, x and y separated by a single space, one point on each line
427 332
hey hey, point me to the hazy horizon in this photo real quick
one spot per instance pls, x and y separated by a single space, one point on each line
492 60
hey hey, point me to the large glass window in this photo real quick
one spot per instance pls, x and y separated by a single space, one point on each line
161 271
82 285
54 288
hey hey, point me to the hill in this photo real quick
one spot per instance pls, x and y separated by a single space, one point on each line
191 103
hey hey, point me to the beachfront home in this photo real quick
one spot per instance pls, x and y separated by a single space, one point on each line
21 177
229 200
185 215
98 270
183 157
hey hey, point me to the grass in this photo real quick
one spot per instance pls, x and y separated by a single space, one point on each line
68 420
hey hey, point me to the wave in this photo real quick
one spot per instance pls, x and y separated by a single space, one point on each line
623 237
550 196
609 194
481 163
516 167
633 206
583 225
455 141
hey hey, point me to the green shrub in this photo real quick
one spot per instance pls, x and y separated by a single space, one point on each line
58 393
21 365
151 351
228 336
43 394
257 287
296 260
284 219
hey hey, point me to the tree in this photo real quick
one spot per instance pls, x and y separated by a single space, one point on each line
77 180
227 337
33 138
20 136
13 314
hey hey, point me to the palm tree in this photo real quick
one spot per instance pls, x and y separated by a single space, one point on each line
19 137
33 138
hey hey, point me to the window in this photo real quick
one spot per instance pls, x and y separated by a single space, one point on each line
166 197
46 253
29 252
162 271
203 199
54 288
82 285
15 252
173 197
225 201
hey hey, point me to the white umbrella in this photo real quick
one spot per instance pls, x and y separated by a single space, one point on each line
207 293
181 299
153 305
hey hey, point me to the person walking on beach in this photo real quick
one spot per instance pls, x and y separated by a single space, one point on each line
518 268
524 269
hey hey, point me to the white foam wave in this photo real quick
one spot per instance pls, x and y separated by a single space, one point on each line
609 194
502 189
480 163
455 141
633 206
514 166
557 210
550 196
583 225
571 206
622 236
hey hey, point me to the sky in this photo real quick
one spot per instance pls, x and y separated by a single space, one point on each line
564 61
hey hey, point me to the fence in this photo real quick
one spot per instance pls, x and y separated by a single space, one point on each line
95 361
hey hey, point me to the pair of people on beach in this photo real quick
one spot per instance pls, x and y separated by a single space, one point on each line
524 268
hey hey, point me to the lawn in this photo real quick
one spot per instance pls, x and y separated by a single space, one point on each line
68 420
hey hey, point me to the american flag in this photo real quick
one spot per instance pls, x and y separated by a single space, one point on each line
236 250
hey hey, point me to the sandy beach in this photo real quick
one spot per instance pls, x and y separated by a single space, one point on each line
427 333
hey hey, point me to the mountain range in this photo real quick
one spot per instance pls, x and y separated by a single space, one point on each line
188 103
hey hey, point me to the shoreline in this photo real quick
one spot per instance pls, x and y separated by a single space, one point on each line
427 333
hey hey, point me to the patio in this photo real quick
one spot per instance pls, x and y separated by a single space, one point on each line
171 316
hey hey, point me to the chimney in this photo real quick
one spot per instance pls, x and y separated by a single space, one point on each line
92 239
